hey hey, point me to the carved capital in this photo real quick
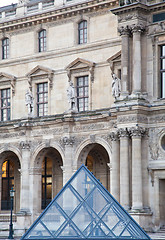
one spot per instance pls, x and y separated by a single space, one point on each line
114 136
123 132
138 28
137 131
25 144
124 30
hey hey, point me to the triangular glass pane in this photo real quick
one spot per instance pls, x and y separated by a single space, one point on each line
69 231
126 234
53 219
135 232
38 232
68 201
83 183
97 201
110 218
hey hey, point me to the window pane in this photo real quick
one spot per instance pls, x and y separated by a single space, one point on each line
42 99
163 85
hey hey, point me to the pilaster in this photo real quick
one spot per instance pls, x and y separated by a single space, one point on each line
124 168
115 166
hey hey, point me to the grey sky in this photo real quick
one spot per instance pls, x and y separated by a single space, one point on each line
7 2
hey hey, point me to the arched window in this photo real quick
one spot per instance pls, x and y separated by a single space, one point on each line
42 40
7 183
5 48
46 182
82 32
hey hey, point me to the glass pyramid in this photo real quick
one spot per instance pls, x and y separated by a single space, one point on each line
84 209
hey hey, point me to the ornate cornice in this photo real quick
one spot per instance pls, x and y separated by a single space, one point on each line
57 14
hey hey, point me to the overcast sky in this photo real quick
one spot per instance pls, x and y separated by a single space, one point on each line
7 2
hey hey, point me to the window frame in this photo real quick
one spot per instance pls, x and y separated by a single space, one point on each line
42 103
162 72
83 31
42 40
5 48
5 109
84 96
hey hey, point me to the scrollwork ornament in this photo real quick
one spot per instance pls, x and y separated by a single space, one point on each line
124 30
138 28
123 132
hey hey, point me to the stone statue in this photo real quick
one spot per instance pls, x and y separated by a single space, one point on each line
29 102
22 2
116 86
71 96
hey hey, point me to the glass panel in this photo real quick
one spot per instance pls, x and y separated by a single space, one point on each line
83 184
38 232
69 231
163 50
68 201
163 85
53 219
97 201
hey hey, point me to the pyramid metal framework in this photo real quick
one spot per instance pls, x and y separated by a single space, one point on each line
84 209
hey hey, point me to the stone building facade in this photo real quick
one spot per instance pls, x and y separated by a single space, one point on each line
82 82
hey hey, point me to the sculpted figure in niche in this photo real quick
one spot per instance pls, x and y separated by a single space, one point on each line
29 102
71 97
116 86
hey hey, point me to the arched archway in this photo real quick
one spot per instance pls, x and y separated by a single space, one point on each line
96 158
10 177
47 172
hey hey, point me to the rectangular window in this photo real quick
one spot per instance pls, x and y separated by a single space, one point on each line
82 93
5 48
162 71
82 32
5 104
42 40
42 99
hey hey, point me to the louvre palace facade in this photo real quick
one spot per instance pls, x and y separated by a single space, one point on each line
82 82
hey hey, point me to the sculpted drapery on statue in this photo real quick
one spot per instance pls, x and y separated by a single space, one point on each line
116 86
71 97
29 102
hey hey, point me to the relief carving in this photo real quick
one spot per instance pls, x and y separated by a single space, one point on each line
123 132
114 136
25 144
67 141
154 150
137 131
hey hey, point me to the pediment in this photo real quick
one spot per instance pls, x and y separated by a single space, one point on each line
5 77
114 60
40 70
8 80
79 63
115 57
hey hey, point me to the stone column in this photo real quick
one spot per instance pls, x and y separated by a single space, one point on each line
124 168
35 191
124 32
67 143
24 189
137 68
137 199
115 167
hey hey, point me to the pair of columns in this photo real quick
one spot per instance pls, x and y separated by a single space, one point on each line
123 167
134 31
